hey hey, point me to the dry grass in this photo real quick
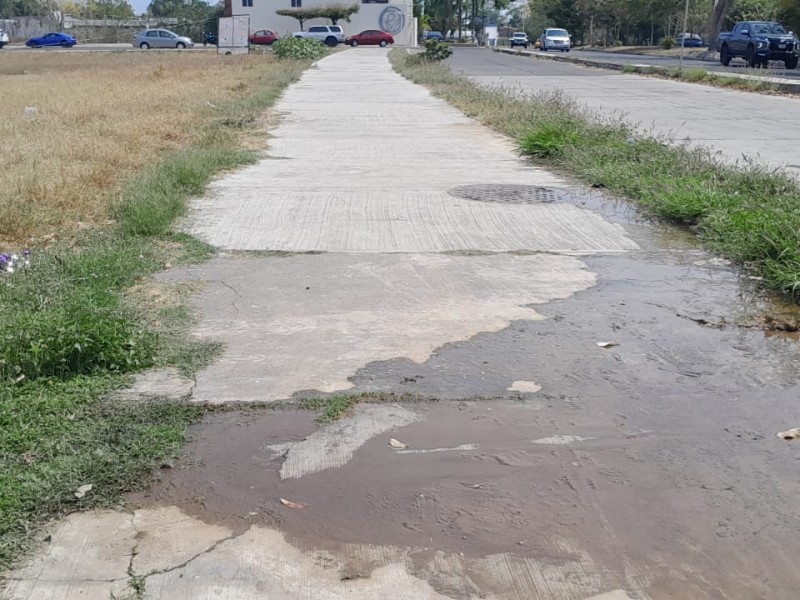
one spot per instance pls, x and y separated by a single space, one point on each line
100 118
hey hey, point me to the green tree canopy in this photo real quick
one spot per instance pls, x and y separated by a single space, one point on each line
301 14
335 12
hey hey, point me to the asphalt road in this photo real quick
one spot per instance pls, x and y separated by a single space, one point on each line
737 66
736 125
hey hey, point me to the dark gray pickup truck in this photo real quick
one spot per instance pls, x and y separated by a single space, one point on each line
759 42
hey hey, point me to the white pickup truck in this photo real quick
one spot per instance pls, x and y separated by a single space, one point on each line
330 35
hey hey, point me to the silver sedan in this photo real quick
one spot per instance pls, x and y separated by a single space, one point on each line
161 38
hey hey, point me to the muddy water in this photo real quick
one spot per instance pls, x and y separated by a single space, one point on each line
656 457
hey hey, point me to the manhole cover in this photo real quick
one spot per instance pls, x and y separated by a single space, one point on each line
507 194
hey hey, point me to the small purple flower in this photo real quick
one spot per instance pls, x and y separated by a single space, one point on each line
26 252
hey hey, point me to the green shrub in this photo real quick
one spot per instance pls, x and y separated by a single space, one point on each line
435 51
549 138
668 43
299 49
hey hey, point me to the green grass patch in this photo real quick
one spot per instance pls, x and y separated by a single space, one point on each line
331 409
747 213
56 436
77 324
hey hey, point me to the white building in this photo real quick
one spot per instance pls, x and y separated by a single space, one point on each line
395 17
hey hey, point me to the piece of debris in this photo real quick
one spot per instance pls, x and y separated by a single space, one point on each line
607 344
790 434
83 490
474 486
559 440
397 444
290 504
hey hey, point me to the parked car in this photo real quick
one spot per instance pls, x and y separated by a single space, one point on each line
330 35
3 38
161 38
689 40
555 39
433 35
370 37
520 38
52 39
263 37
759 42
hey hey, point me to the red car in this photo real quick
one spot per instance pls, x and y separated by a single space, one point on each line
370 37
263 37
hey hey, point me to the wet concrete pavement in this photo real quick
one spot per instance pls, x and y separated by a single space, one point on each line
531 464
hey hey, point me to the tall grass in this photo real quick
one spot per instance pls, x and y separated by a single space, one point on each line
745 212
72 326
96 119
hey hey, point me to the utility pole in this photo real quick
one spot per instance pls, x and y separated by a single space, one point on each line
683 39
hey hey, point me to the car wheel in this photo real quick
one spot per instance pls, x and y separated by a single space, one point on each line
724 56
65 44
354 43
383 43
144 46
791 62
180 46
751 58
331 41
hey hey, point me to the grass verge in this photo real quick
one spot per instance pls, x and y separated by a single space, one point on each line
747 213
756 83
85 316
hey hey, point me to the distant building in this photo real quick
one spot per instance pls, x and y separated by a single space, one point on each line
394 17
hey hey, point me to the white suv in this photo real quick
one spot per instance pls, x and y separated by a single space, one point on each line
329 35
519 39
3 38
555 39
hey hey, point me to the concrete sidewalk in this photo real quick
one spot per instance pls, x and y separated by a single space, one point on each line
389 261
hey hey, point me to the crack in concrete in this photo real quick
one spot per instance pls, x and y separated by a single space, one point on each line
47 580
188 561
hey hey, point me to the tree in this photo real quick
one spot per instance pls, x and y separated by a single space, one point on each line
335 12
195 17
789 14
718 14
22 8
301 14
99 9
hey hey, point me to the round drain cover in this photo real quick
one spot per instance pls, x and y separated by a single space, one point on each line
507 194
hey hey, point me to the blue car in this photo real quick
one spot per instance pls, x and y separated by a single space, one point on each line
434 35
52 39
690 40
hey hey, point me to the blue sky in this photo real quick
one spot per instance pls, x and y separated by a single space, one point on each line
139 6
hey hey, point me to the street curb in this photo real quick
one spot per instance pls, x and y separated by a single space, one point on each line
783 85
